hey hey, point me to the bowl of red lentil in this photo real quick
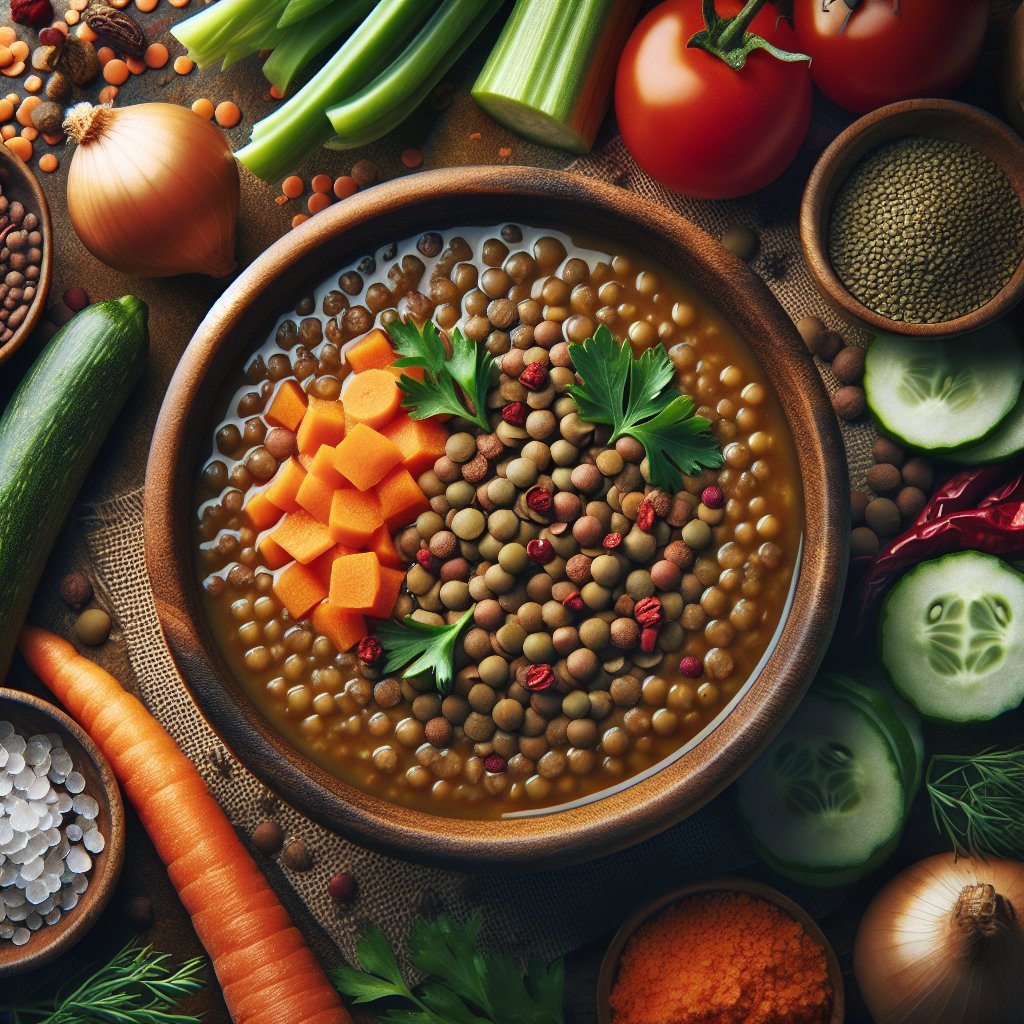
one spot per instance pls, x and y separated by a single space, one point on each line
724 949
565 733
26 252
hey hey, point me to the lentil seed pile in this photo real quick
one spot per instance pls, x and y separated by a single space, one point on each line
926 230
612 622
21 245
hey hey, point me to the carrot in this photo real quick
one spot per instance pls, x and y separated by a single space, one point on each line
383 547
300 589
391 581
343 628
354 516
265 969
322 566
283 488
323 466
324 423
261 512
372 397
315 494
273 555
421 442
288 406
355 582
400 498
302 536
365 457
372 352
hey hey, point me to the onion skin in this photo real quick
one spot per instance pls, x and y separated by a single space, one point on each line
924 955
1011 78
153 190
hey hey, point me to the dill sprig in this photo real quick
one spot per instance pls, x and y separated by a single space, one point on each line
978 801
136 986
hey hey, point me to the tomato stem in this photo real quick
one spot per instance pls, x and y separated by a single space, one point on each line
728 38
736 27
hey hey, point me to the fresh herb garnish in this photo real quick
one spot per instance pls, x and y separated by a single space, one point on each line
418 647
137 986
462 986
636 397
454 383
978 801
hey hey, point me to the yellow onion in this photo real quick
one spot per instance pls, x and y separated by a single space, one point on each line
153 189
943 943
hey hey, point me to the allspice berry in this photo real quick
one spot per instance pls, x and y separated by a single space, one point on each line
849 402
625 633
883 517
858 503
297 856
48 118
918 472
343 887
438 731
863 541
911 502
268 837
810 328
884 450
848 365
76 590
830 344
884 478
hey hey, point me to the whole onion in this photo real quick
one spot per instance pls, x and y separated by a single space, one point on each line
153 189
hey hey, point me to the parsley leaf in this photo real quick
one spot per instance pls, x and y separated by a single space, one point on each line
418 648
454 383
635 396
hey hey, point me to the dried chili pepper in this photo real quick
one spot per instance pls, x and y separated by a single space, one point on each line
538 499
427 560
611 541
514 413
574 602
534 377
540 551
539 677
32 13
647 611
645 516
370 650
648 639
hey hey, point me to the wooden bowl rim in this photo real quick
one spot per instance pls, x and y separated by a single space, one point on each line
35 312
101 884
398 209
1007 152
724 883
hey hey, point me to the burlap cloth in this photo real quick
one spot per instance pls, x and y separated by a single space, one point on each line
550 912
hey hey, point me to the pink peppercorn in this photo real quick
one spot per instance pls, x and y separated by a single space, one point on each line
712 497
690 667
534 377
343 887
494 763
540 551
514 413
369 650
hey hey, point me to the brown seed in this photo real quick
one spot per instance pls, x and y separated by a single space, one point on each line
918 472
268 837
297 856
578 568
884 450
810 329
443 544
666 574
680 553
280 443
75 589
681 511
848 365
625 633
911 502
438 731
343 887
849 402
490 446
863 541
858 503
884 478
582 664
883 517
587 530
476 469
830 344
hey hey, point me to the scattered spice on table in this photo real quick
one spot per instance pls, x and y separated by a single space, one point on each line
926 230
724 956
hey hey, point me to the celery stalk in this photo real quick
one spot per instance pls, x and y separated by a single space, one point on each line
549 77
305 40
391 97
230 29
299 126
296 10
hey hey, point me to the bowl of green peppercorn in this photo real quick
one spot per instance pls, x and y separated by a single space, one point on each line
912 221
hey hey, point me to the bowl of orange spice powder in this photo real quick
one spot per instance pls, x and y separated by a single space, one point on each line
722 951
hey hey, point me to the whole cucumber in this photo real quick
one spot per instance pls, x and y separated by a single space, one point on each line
50 434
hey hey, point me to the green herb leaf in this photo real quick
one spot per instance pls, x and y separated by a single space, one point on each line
417 648
453 383
636 397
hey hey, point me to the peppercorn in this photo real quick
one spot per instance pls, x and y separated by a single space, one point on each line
625 633
438 731
369 650
342 887
884 478
884 450
883 516
848 365
297 856
76 590
691 667
268 837
849 402
863 542
918 472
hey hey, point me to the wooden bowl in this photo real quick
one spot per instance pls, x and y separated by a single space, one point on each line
457 197
18 182
939 119
610 963
31 715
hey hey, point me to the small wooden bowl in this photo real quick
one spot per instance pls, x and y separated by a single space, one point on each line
18 182
31 715
610 963
938 119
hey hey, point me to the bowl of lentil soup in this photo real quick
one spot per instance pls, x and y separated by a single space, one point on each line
729 947
507 768
912 220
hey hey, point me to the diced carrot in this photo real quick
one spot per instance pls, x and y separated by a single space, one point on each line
324 423
325 562
315 496
274 556
365 457
355 581
302 536
391 581
299 589
421 442
383 547
260 512
284 487
288 406
343 628
323 466
305 461
354 516
372 352
416 372
400 498
372 397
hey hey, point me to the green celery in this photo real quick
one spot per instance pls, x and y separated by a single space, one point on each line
299 126
305 40
296 10
230 30
391 97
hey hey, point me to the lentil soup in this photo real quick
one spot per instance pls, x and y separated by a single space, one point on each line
613 623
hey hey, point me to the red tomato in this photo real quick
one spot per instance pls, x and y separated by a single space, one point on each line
927 49
697 125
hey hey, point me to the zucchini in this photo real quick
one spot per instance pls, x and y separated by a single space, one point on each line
549 78
50 433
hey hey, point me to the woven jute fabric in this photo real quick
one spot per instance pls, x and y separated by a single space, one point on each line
549 912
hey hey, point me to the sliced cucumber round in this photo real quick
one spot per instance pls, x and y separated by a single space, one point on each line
828 794
953 637
945 393
1007 441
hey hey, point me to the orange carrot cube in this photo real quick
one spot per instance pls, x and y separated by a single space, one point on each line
299 589
288 406
323 466
314 495
354 516
400 498
283 489
302 536
391 581
372 352
260 512
421 442
324 423
343 628
372 397
365 457
325 562
355 581
273 555
383 547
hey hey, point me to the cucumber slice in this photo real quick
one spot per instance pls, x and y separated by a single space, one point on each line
945 393
828 794
953 637
1007 441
